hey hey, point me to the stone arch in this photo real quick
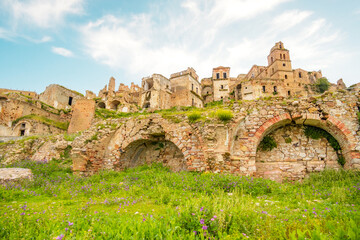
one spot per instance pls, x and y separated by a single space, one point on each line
158 130
146 151
114 105
22 128
101 105
333 126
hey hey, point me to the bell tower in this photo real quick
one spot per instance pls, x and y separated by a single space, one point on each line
279 59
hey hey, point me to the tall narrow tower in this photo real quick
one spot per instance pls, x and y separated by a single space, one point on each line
279 63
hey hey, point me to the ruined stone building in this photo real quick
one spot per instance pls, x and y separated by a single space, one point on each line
59 97
182 89
276 79
124 99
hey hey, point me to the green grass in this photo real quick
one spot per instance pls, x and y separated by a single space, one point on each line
152 203
224 115
194 116
47 121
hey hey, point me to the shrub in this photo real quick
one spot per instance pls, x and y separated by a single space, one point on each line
322 85
224 115
267 144
194 116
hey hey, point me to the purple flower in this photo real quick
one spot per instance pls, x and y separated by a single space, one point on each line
60 237
70 223
22 213
66 229
264 212
202 221
204 227
212 219
215 216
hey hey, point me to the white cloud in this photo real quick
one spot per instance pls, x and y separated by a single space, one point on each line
227 11
62 51
42 13
289 19
205 34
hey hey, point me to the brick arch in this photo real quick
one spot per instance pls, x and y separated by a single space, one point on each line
180 134
332 125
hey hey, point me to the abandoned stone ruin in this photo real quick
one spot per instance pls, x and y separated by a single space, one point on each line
273 122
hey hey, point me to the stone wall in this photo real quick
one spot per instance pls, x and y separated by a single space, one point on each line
59 97
295 155
212 145
83 114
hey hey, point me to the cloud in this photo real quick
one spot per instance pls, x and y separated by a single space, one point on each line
62 51
42 13
205 34
289 19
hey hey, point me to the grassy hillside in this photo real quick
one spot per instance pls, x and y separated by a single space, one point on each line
152 203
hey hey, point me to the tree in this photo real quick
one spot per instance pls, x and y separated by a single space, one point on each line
322 85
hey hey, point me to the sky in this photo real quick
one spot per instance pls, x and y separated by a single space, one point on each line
80 44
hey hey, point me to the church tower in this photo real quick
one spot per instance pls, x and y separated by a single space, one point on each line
279 64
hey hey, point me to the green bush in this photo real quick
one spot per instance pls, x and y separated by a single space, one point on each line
322 85
194 116
267 144
224 115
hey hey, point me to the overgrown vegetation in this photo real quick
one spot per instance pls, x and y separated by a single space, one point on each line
152 203
268 143
317 133
42 119
224 115
322 85
194 116
71 137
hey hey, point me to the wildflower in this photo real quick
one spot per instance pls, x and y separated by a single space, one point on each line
212 219
264 212
22 213
214 216
204 227
202 221
66 229
60 237
70 223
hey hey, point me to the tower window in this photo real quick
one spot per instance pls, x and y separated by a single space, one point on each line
299 74
224 74
22 132
70 101
284 56
281 56
23 125
221 86
217 75
263 88
285 76
284 64
280 46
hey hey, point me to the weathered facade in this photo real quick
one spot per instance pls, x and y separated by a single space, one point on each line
124 99
59 97
233 147
182 89
276 79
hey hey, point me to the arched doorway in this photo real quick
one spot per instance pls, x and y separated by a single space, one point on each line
114 105
144 151
101 105
288 153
